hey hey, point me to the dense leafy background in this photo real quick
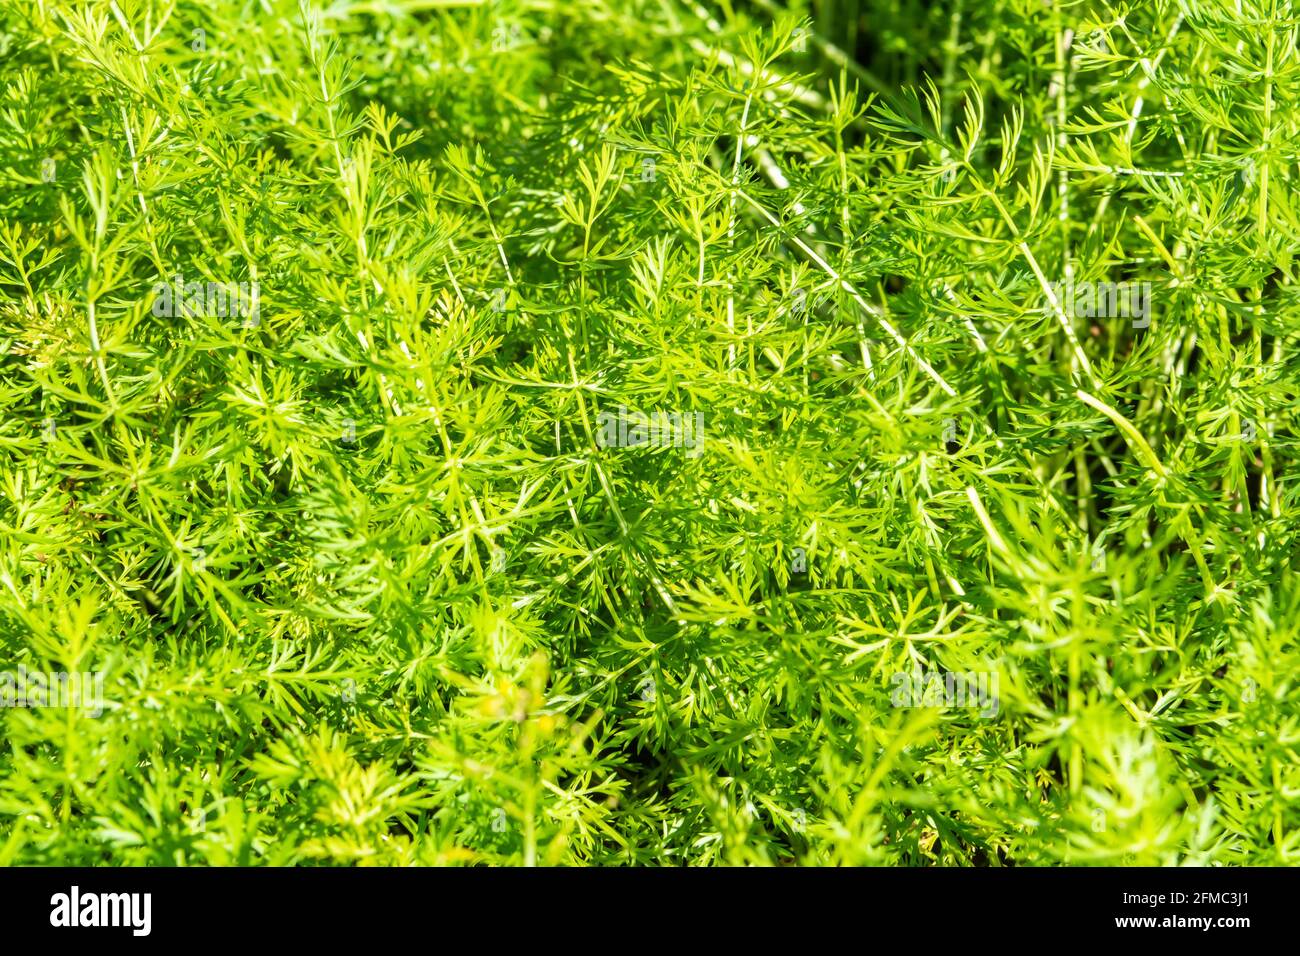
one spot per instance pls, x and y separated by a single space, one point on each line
470 634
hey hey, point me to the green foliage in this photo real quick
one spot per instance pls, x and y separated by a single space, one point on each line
366 581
